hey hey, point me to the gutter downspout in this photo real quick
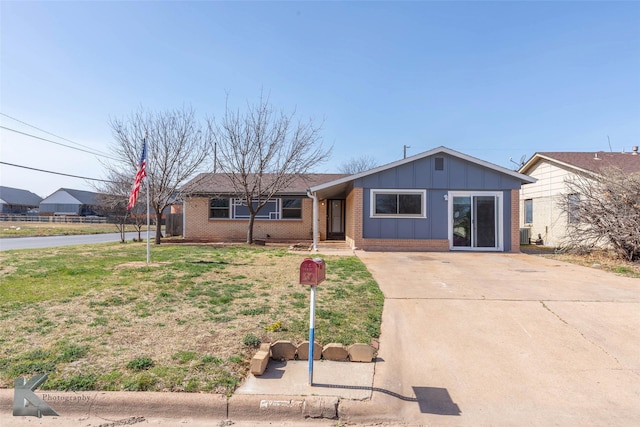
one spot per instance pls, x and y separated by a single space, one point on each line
315 219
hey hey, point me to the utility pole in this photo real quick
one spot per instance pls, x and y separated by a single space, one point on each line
405 150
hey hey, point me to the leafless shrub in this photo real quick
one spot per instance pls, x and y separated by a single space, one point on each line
603 211
358 164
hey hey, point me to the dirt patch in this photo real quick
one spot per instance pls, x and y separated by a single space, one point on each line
140 264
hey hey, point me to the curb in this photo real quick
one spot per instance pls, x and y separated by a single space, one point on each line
183 405
100 403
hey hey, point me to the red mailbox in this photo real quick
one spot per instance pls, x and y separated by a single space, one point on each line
312 271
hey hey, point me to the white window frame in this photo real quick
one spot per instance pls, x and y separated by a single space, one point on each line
499 217
525 211
398 191
573 205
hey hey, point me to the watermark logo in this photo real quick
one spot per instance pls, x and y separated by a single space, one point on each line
25 402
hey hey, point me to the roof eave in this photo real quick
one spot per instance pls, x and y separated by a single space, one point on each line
537 157
525 179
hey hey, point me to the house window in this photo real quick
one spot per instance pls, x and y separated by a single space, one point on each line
270 210
398 203
274 209
291 208
528 211
439 163
219 208
574 206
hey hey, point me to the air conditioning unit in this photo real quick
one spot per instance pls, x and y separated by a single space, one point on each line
525 236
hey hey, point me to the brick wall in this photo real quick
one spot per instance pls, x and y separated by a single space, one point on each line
404 245
322 219
515 220
353 218
198 226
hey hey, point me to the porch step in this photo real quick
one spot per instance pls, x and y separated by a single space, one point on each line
334 247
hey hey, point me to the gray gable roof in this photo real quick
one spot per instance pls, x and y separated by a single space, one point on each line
84 197
16 196
219 183
524 179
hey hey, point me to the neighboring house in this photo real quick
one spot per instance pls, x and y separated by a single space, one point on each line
539 201
14 201
67 201
438 200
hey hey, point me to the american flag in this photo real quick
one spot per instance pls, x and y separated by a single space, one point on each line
139 176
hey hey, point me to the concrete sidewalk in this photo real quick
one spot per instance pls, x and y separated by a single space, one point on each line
344 380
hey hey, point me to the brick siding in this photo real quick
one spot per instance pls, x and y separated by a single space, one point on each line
198 225
515 220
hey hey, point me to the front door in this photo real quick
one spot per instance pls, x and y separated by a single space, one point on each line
335 220
475 221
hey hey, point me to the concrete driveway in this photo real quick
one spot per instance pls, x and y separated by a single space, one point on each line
476 339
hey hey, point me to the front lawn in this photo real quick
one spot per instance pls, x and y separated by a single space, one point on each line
98 318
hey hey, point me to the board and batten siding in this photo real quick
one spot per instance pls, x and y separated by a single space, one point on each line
548 219
457 175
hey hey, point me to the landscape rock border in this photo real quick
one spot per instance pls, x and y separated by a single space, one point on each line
284 350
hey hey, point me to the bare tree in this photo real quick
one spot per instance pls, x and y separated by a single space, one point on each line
262 151
176 146
114 197
603 210
358 164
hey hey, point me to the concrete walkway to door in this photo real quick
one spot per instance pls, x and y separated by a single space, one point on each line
475 339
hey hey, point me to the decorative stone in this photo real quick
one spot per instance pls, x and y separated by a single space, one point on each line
266 346
283 350
361 352
303 351
335 351
259 362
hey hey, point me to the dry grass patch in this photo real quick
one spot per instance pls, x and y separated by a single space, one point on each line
188 322
595 259
603 261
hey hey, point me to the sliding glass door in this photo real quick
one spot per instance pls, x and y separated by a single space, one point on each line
475 221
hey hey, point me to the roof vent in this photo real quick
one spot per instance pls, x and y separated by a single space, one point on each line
635 150
596 157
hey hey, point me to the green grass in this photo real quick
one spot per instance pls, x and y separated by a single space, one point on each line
98 318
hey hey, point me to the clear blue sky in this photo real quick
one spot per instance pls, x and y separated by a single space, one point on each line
490 79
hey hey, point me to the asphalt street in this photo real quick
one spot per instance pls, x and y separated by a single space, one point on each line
14 243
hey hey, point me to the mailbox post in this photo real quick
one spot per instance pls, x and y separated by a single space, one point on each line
312 272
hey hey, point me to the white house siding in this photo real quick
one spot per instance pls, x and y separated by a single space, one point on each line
548 220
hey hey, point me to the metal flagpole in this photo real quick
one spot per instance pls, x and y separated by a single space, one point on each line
148 221
148 239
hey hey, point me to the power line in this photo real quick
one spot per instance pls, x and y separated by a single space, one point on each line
54 173
49 133
57 143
